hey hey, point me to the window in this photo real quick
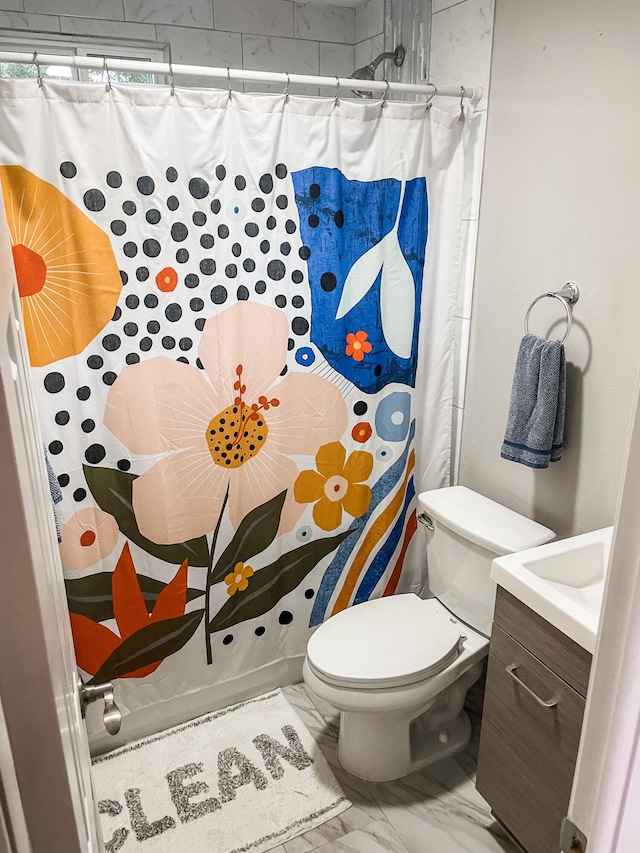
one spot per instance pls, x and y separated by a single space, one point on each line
81 47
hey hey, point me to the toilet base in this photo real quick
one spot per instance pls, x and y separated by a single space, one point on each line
388 762
379 744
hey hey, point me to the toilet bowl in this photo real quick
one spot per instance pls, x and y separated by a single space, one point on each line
398 668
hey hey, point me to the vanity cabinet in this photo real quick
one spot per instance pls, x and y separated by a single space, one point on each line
534 703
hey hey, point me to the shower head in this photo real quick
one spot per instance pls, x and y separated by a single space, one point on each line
368 72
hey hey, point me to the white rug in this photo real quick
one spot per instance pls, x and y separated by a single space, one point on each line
246 778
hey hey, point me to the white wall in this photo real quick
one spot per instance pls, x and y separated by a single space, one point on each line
560 202
264 35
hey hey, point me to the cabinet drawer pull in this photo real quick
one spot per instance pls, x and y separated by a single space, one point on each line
549 703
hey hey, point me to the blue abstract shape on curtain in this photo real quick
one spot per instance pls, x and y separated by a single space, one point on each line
366 244
381 562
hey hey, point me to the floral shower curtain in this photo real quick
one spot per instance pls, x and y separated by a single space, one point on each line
239 315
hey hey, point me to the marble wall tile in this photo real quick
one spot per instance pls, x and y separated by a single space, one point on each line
367 50
461 45
108 29
201 47
12 5
28 21
194 13
296 56
276 54
369 19
336 60
325 23
439 5
111 10
257 17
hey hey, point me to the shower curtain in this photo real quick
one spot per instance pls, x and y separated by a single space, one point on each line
239 315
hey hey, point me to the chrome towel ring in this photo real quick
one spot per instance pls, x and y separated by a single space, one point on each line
568 295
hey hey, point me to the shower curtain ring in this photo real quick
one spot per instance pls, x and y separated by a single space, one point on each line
286 88
431 97
105 70
38 71
385 94
229 83
172 79
336 100
461 103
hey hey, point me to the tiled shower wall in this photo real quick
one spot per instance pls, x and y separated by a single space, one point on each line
309 38
264 35
449 43
460 54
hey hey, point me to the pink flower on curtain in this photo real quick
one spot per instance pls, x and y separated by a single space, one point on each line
236 424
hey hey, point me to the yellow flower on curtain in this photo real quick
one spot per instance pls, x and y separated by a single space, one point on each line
68 278
336 485
238 579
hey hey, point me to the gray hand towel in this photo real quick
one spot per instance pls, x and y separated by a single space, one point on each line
536 413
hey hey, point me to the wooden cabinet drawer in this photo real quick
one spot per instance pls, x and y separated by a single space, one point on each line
569 660
527 751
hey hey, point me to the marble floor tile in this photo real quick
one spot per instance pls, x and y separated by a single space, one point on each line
329 714
438 810
350 821
378 837
435 810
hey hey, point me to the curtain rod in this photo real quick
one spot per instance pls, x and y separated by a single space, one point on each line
230 75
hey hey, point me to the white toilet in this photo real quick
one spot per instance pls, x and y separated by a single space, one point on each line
398 668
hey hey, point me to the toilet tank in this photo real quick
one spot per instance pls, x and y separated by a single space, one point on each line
469 531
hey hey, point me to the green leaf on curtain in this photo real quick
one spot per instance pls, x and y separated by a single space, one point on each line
256 532
149 645
112 490
270 584
91 595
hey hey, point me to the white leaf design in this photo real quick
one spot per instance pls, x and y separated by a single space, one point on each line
397 299
397 291
361 277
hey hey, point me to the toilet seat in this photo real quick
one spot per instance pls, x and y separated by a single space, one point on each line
389 642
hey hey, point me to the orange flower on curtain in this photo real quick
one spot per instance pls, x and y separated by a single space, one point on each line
68 278
95 643
336 485
357 345
236 424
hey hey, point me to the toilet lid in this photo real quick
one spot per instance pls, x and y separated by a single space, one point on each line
390 642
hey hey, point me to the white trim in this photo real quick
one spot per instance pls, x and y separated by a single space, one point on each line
38 689
604 799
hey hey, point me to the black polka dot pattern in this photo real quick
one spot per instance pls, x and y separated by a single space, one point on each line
212 238
68 169
94 200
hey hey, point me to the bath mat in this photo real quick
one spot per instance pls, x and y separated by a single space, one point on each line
246 778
